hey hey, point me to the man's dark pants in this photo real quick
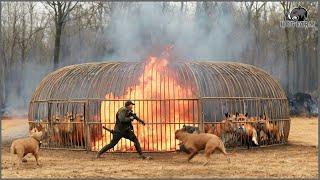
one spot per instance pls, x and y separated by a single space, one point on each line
116 138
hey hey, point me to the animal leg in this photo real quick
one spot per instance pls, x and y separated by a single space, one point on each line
12 161
24 159
269 137
278 137
37 158
248 141
255 137
184 149
274 138
208 151
207 157
19 159
234 144
223 150
193 153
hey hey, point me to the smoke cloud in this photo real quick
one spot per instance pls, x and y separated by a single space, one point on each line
135 32
218 36
31 74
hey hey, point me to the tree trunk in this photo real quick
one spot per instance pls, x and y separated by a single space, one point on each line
288 60
61 9
57 46
14 35
23 57
286 6
318 54
2 68
295 56
181 7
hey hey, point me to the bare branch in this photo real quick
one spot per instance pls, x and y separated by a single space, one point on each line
68 10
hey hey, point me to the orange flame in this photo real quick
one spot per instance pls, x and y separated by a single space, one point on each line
162 109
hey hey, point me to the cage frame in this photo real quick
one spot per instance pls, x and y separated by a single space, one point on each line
199 99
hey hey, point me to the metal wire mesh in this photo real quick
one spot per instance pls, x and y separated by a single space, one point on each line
74 102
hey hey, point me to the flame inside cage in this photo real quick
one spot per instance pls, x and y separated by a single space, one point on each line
156 82
74 102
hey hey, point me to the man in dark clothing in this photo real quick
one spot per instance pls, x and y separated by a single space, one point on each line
124 129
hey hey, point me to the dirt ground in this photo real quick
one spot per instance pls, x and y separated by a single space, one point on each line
296 160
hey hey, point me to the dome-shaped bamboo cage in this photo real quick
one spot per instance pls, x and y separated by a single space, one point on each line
74 102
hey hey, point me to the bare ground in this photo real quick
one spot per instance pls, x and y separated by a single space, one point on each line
297 159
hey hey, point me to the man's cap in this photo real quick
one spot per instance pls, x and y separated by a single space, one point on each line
129 102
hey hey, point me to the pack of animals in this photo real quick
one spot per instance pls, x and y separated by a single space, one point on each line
240 129
230 131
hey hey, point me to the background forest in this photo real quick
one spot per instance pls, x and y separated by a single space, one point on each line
39 37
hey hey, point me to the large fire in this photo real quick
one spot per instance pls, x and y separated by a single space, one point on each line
162 109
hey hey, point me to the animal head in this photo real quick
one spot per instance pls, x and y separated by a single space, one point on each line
184 128
238 128
259 125
55 119
190 129
254 119
37 128
33 127
80 117
38 135
229 126
241 117
208 128
68 117
263 116
213 128
179 133
241 126
227 115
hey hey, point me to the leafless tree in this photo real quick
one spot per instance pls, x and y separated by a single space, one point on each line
27 35
286 5
61 11
2 68
249 8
